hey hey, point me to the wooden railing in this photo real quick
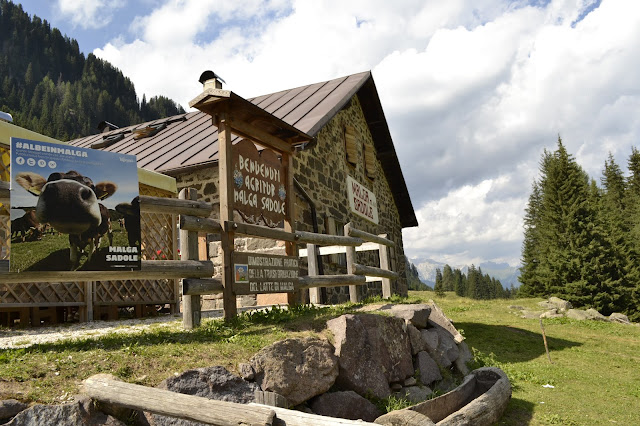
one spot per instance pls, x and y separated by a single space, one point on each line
197 274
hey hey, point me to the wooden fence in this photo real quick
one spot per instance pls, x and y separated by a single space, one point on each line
197 275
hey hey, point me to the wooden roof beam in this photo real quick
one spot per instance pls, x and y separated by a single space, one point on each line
249 131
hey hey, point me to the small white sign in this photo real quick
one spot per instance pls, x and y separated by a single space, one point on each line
362 201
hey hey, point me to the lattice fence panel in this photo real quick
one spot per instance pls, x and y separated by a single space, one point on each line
42 293
158 243
5 233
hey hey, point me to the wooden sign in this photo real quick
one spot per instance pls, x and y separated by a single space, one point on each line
362 201
259 184
264 273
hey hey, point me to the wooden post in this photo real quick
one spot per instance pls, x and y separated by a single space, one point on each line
384 264
88 292
351 269
191 314
312 261
227 236
175 307
289 221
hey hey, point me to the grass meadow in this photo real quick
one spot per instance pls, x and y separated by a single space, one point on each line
595 374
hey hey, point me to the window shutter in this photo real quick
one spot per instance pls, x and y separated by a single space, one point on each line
369 162
350 144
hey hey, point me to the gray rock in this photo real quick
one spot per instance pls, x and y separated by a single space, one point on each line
553 313
530 314
297 369
437 319
210 382
395 387
464 357
373 351
431 339
447 351
246 371
429 370
345 405
546 305
11 407
595 315
411 381
416 314
415 338
516 307
81 412
561 304
415 394
618 317
577 314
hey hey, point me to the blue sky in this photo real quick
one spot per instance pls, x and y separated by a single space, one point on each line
473 90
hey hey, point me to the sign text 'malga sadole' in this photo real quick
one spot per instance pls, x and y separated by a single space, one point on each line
259 184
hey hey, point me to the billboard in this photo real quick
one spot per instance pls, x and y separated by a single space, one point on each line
72 208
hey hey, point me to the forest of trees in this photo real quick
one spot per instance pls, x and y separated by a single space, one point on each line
473 284
48 85
582 240
413 278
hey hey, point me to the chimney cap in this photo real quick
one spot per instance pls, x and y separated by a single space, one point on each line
209 75
105 126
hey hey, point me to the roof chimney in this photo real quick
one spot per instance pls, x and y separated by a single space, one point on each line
105 126
211 80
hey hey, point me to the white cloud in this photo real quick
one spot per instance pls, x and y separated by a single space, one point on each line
473 91
89 13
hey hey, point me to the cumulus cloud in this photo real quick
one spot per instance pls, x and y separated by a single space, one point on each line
89 13
473 91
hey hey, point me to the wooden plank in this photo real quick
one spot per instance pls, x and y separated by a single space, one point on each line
175 404
191 313
310 281
88 297
379 239
249 131
198 286
327 240
312 262
150 270
374 272
299 418
260 231
351 269
225 168
385 264
329 250
290 223
149 204
198 224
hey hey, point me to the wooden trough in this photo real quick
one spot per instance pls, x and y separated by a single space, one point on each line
480 400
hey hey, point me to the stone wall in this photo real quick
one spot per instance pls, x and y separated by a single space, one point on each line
322 171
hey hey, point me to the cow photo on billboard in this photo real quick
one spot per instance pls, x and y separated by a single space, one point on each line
78 195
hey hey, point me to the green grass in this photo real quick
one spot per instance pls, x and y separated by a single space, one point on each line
595 370
52 252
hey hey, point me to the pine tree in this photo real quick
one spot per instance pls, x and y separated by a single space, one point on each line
447 278
438 287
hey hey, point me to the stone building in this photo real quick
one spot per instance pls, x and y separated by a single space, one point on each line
352 143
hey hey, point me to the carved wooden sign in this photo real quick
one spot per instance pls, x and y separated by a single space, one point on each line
264 273
259 184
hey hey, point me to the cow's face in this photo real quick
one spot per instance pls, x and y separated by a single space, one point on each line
67 201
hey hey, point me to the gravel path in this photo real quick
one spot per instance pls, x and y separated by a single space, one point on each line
23 338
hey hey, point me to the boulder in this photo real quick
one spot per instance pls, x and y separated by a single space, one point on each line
429 370
431 339
81 412
561 304
246 371
373 351
464 357
415 394
209 382
516 307
618 317
437 319
595 315
447 350
345 405
416 314
577 314
11 407
415 338
297 369
553 313
546 305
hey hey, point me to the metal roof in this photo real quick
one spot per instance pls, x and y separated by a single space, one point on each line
190 140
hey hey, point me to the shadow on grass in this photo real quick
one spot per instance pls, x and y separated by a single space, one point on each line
519 412
510 344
